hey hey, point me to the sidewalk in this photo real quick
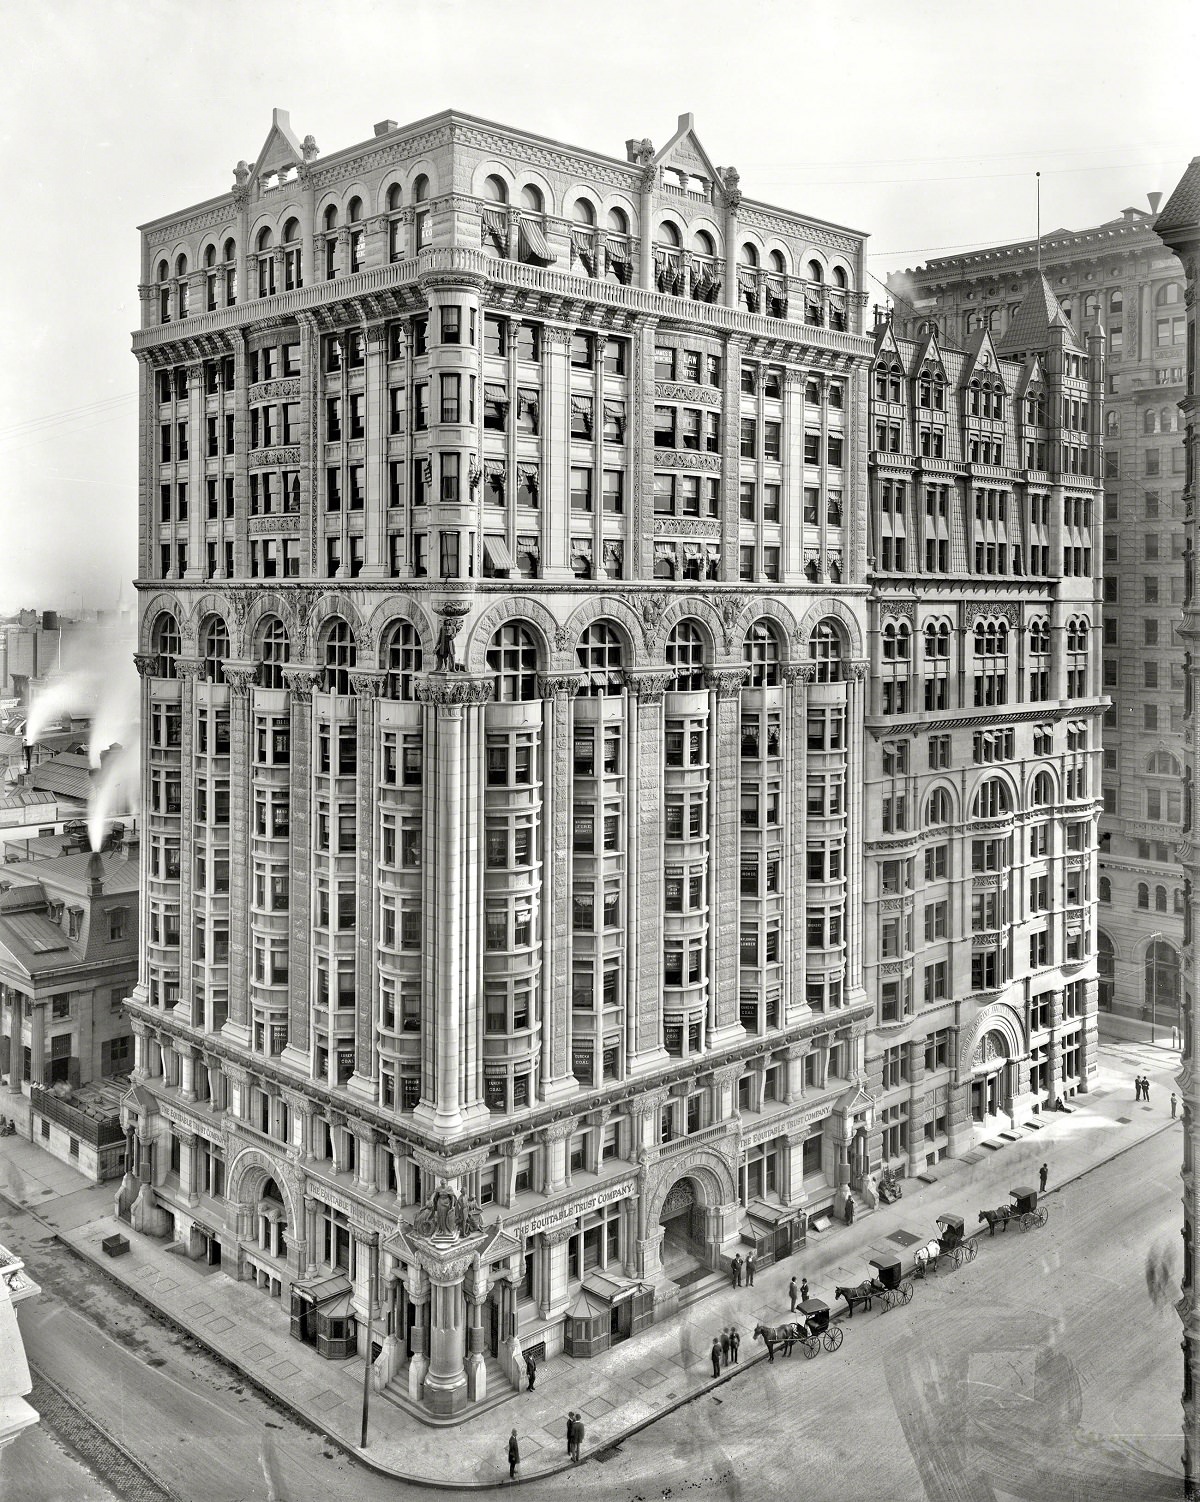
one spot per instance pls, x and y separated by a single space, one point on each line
618 1391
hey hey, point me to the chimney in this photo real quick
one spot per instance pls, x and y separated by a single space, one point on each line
1154 200
385 127
95 875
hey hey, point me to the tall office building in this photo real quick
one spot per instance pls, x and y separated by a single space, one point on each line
983 727
1119 278
1179 227
502 598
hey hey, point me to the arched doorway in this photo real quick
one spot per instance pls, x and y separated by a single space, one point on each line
683 1221
271 1221
1106 971
1161 989
989 1084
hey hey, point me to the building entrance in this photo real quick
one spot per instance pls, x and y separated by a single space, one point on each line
682 1220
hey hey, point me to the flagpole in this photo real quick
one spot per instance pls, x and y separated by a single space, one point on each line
1039 222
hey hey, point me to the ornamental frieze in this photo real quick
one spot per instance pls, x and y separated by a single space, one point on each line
290 525
266 391
453 689
678 391
686 459
687 526
262 458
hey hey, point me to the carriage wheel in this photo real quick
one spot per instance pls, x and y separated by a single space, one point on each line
960 1255
833 1337
972 1250
1028 1221
1042 1216
906 1292
811 1346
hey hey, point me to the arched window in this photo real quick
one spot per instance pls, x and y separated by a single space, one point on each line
1039 637
816 272
421 189
1160 899
1166 420
777 263
214 648
896 641
1162 981
274 650
263 242
1105 889
1116 302
840 278
1177 903
340 655
230 251
1112 424
394 198
618 221
1143 895
1170 292
395 224
702 242
1041 793
668 233
1163 764
1149 420
991 638
210 257
532 200
826 647
685 655
354 210
1091 305
1078 631
761 652
402 658
1106 969
939 808
331 218
749 254
422 223
937 640
512 658
164 271
583 211
165 641
291 231
601 655
993 800
181 265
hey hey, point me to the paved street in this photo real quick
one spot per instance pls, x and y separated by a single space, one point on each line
1068 1306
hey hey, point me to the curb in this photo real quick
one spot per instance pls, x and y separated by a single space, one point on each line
364 1457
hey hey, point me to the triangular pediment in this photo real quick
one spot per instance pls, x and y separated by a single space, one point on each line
683 153
929 353
886 346
280 150
982 360
1031 378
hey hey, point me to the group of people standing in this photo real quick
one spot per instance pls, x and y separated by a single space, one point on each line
1141 1088
725 1349
738 1269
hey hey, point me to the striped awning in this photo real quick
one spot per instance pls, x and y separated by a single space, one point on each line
493 391
533 245
496 550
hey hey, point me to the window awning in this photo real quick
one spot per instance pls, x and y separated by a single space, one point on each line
493 225
614 411
533 244
581 406
497 552
493 391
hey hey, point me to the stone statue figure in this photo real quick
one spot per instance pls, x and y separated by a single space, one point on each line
423 1221
444 1203
446 662
471 1217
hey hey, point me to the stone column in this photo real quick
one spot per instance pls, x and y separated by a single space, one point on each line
555 452
647 183
797 676
188 670
554 1143
37 1045
916 1108
300 683
310 1235
457 702
189 1167
476 1286
733 202
445 1386
643 1007
725 686
419 1290
557 1079
555 1283
855 696
194 470
375 562
240 679
368 686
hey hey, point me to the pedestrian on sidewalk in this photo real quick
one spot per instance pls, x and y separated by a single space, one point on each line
578 1437
1146 1089
792 1294
571 1433
1043 1175
531 1371
735 1340
716 1357
1174 1103
735 1270
514 1456
725 1347
804 1290
749 1269
849 1211
1137 1087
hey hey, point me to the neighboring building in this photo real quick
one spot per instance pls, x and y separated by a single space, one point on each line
503 753
1119 278
1179 227
16 1286
983 727
68 958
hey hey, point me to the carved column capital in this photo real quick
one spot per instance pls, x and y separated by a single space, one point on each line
649 684
189 667
558 1131
727 683
560 685
799 672
241 679
859 668
556 1235
446 689
554 333
367 683
146 664
301 683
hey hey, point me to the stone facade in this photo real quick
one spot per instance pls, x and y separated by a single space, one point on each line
1117 277
499 696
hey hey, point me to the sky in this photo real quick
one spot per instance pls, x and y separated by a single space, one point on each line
920 121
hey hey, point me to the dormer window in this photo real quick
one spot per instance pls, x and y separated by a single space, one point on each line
74 922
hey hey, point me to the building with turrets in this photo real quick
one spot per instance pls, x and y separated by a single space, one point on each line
503 638
983 727
1119 278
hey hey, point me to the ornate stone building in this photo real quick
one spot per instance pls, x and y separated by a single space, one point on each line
1179 227
1119 278
983 727
502 590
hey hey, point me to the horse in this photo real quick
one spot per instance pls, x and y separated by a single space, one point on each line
997 1217
926 1255
778 1335
860 1293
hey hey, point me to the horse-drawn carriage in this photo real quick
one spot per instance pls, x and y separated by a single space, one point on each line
952 1247
895 1288
812 1332
1026 1209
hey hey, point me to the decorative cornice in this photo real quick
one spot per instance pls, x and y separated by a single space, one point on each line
688 526
262 458
265 391
678 391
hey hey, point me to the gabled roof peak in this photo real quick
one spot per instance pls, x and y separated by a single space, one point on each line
1038 313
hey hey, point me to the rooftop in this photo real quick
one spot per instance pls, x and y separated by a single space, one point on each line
1182 209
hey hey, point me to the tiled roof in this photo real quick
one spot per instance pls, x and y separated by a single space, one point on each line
68 775
1182 209
1033 320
